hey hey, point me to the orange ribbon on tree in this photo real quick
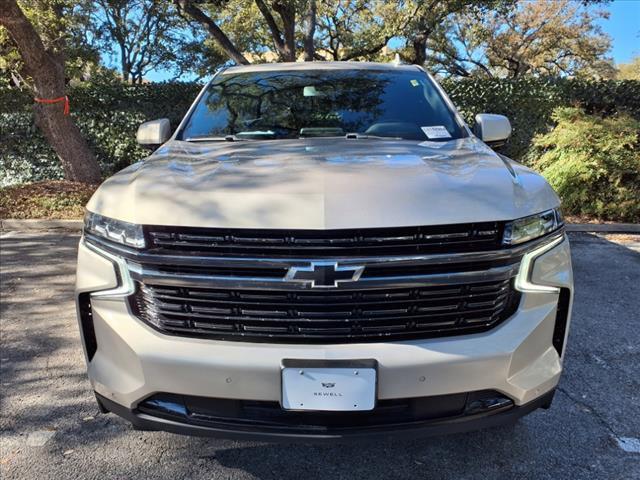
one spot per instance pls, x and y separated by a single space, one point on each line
50 101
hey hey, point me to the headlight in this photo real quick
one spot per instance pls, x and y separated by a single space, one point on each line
534 226
115 230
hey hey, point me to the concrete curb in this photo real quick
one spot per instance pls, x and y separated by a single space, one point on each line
36 224
76 225
604 227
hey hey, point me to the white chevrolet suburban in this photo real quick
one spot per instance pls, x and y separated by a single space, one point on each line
324 251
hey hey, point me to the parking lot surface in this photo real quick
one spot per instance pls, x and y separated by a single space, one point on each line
50 426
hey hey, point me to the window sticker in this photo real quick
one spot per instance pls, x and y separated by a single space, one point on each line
437 131
414 82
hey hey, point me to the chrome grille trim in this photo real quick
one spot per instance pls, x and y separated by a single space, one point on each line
138 257
150 275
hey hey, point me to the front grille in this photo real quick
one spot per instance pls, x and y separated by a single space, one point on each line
245 285
333 316
327 243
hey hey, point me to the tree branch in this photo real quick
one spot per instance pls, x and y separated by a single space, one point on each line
273 27
219 36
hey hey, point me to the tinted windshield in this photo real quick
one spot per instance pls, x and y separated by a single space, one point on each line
322 103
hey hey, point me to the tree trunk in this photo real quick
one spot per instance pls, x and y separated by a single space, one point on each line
284 42
47 70
310 30
419 43
287 13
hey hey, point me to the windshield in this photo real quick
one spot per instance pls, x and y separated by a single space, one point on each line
322 103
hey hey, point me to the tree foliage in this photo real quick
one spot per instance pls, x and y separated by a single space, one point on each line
536 37
265 30
593 163
629 71
463 38
145 35
360 29
501 38
64 29
426 33
246 30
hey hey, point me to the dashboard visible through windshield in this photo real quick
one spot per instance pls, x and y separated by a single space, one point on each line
322 103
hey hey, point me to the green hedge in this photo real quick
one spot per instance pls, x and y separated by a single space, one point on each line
109 114
529 103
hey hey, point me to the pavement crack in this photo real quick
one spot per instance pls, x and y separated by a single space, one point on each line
161 456
596 414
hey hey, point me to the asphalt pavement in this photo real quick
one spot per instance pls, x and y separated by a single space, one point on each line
50 427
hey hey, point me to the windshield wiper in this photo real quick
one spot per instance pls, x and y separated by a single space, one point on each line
364 136
226 138
267 132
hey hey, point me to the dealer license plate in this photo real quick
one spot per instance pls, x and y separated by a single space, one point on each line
334 389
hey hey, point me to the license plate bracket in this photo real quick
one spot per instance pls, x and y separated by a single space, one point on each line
329 385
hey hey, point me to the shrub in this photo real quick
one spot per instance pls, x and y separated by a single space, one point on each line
593 163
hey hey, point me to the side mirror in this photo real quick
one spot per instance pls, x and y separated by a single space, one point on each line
154 133
492 129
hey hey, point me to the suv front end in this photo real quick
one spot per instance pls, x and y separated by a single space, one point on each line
320 289
188 340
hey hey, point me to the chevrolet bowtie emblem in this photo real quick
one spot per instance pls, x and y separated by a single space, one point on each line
324 274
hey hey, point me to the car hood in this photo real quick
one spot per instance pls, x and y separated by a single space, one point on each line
323 183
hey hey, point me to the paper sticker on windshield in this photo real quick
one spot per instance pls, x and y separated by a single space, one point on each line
436 132
414 82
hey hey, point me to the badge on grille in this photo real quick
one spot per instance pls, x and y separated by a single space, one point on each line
324 274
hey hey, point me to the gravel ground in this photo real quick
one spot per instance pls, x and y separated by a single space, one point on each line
50 426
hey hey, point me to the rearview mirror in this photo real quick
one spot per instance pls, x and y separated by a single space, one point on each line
154 133
492 129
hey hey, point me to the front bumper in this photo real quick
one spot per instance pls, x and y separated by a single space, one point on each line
521 358
260 431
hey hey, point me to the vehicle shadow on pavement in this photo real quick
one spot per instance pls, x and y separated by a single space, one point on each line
426 458
41 366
